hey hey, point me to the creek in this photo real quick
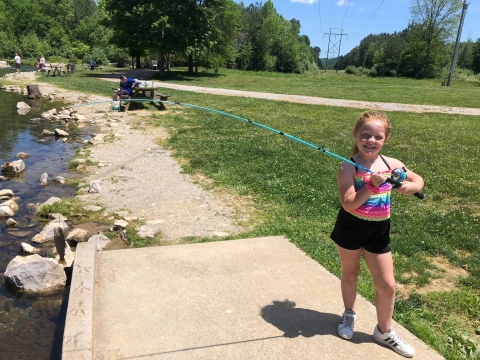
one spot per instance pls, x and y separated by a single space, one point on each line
31 326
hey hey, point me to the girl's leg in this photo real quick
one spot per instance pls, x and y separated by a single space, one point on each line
381 268
350 260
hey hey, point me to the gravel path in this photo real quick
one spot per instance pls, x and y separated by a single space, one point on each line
143 178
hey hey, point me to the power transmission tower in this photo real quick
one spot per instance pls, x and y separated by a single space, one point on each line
334 43
457 44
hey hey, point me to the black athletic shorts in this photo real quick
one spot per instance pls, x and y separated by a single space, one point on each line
352 233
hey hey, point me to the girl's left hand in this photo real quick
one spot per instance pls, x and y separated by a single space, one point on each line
408 188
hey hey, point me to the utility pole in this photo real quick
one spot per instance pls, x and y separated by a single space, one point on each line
457 44
334 45
364 60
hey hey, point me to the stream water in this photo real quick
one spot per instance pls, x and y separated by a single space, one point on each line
31 326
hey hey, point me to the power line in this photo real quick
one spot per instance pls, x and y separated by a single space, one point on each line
368 20
345 13
320 17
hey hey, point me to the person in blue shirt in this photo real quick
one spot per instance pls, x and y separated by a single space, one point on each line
92 64
126 87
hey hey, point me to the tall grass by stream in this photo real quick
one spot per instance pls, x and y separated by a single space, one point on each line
294 187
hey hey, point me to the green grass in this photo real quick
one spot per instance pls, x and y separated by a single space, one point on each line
294 187
339 86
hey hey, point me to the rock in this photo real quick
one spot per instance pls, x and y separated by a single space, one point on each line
50 201
29 249
79 118
11 204
95 186
6 192
78 235
34 92
36 274
60 180
122 213
120 225
92 208
23 155
220 233
10 223
46 132
57 216
50 113
5 211
23 106
97 139
130 218
44 179
100 239
61 133
14 167
47 233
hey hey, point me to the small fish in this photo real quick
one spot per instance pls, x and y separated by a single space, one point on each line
59 239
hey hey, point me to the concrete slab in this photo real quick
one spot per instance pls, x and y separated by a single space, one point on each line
257 298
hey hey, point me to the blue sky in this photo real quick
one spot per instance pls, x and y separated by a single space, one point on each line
358 19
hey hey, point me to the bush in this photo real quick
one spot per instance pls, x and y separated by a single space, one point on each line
382 70
352 70
99 56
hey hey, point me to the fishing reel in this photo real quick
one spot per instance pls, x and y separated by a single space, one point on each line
398 176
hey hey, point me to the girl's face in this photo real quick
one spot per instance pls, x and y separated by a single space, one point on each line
371 137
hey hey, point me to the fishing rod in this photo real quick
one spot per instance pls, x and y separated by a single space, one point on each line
397 175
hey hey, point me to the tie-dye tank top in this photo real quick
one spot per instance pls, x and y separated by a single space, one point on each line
377 206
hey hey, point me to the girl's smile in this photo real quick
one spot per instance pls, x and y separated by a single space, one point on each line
371 137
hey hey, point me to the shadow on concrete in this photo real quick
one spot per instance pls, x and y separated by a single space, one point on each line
296 322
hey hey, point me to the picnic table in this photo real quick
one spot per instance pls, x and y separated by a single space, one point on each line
53 69
145 93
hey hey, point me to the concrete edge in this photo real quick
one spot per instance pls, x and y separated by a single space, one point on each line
78 333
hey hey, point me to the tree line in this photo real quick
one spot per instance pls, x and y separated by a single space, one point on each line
423 50
215 33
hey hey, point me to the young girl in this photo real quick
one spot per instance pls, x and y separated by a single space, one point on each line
363 226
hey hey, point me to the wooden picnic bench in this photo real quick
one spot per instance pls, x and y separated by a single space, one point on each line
54 69
147 93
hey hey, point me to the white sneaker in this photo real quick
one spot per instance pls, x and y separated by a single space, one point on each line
346 327
392 339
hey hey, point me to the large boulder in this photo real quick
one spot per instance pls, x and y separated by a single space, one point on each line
50 201
47 233
78 235
99 239
14 167
35 273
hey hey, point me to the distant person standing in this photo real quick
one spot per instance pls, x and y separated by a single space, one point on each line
18 63
92 64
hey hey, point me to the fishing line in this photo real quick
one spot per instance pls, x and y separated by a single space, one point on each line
396 179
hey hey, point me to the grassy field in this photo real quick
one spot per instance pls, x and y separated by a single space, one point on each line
294 187
340 86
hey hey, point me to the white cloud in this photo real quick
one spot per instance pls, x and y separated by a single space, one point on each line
309 2
344 2
361 9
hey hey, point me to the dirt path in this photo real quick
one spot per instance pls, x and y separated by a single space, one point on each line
358 104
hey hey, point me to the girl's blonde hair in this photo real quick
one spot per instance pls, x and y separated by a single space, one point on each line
367 116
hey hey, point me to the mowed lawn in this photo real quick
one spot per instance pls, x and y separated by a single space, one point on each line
293 187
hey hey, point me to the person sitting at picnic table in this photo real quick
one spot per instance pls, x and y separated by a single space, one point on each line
41 64
92 64
126 87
